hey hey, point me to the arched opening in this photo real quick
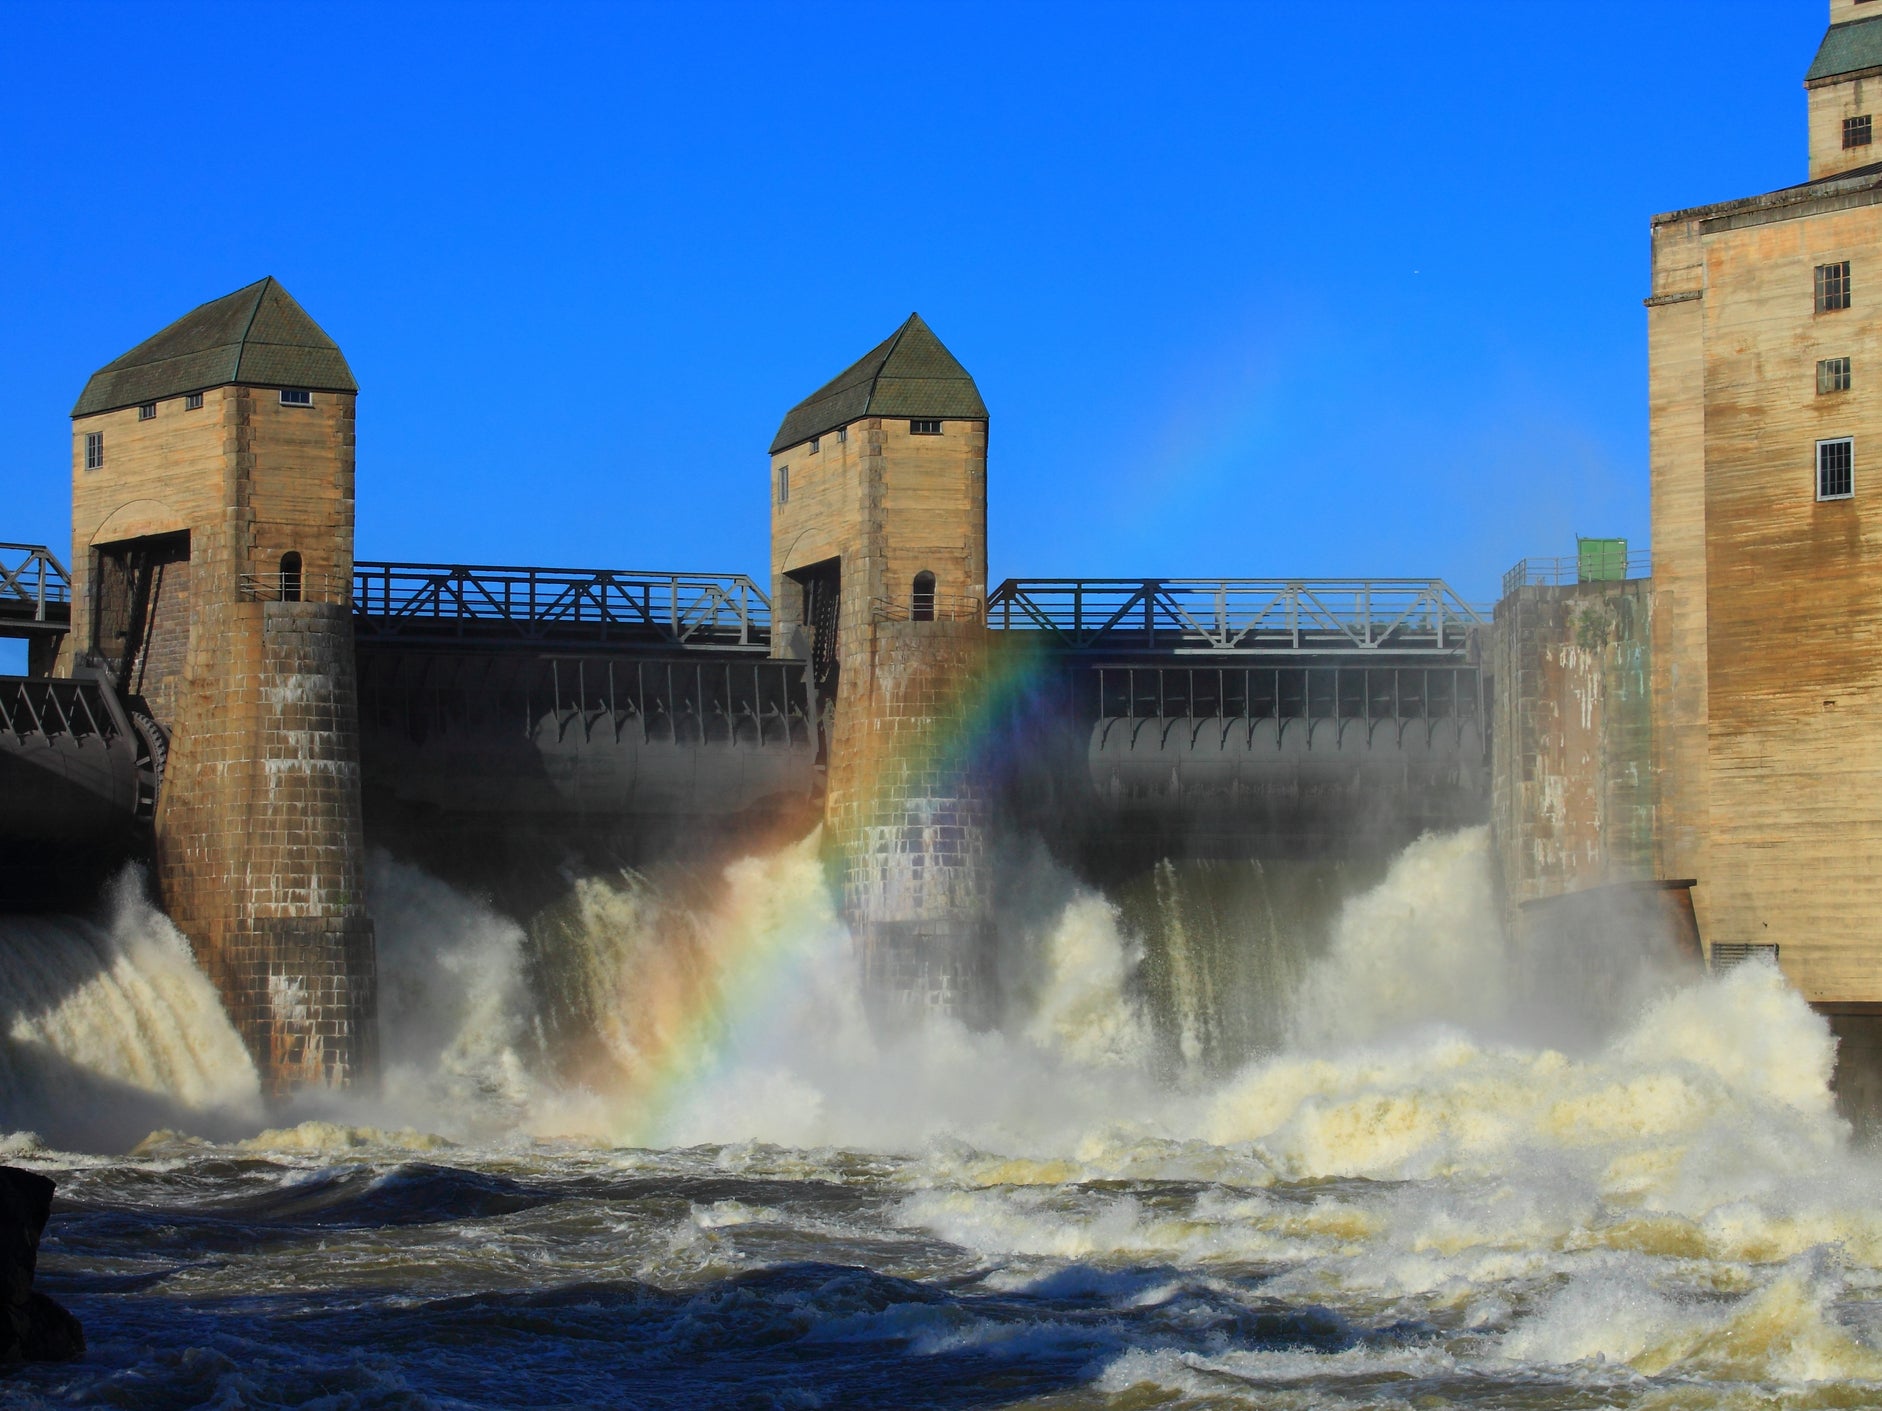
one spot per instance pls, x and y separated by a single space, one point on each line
921 601
290 577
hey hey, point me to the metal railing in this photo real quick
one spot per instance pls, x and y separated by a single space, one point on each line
726 610
289 587
35 589
1245 615
1566 572
929 607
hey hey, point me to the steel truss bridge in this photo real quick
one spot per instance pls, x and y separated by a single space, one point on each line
729 612
35 591
459 603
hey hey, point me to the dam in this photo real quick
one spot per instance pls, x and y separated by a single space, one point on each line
217 686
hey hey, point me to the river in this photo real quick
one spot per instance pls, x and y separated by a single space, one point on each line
652 1155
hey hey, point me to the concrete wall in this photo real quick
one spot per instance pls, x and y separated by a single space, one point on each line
1572 767
258 836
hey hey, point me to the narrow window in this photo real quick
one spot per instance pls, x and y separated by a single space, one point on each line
296 397
1836 469
816 444
290 577
1858 132
784 484
94 449
842 434
1832 287
924 428
147 411
921 600
193 402
1832 375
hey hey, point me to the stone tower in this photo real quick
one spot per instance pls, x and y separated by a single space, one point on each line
212 557
879 575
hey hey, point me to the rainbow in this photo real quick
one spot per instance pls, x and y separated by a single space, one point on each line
683 1009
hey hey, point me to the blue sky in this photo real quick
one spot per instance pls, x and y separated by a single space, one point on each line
1249 289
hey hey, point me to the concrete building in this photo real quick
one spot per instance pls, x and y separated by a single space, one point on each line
1766 444
879 575
212 553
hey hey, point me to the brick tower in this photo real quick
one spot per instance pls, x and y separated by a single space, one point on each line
879 575
212 554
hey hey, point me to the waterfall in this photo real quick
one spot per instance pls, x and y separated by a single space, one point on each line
108 1029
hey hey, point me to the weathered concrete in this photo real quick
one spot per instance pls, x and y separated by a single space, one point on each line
1572 758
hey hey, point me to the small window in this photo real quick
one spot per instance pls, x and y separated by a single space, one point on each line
921 600
924 428
816 444
784 484
1836 469
1832 287
296 397
842 434
147 412
1832 375
1858 132
193 402
290 577
94 450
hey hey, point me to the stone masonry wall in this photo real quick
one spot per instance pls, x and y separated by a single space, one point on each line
909 817
259 837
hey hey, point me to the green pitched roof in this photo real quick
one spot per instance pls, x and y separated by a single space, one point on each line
257 335
908 374
1847 48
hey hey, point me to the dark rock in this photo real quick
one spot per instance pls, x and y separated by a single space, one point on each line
32 1327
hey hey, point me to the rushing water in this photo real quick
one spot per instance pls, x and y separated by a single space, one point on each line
651 1155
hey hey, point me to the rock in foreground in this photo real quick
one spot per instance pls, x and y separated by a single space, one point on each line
33 1328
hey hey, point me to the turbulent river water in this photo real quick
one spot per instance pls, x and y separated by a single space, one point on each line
651 1154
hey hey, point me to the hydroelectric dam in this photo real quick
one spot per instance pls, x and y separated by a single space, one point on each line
218 688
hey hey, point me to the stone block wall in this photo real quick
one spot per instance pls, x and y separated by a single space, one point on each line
909 816
259 837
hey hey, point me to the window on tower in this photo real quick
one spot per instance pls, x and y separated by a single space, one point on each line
147 411
1836 469
924 428
1832 375
94 450
1832 287
296 397
1858 132
784 484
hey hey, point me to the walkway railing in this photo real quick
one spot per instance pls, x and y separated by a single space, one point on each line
1564 572
1247 615
35 590
430 600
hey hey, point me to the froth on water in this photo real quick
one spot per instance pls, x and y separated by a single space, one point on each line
1394 1162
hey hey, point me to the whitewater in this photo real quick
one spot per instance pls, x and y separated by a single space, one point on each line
650 1153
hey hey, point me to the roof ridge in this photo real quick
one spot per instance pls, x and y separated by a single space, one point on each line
894 343
241 344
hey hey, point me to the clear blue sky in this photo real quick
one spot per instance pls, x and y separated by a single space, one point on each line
1250 289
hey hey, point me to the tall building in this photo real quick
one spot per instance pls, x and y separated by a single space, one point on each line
212 557
1766 443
